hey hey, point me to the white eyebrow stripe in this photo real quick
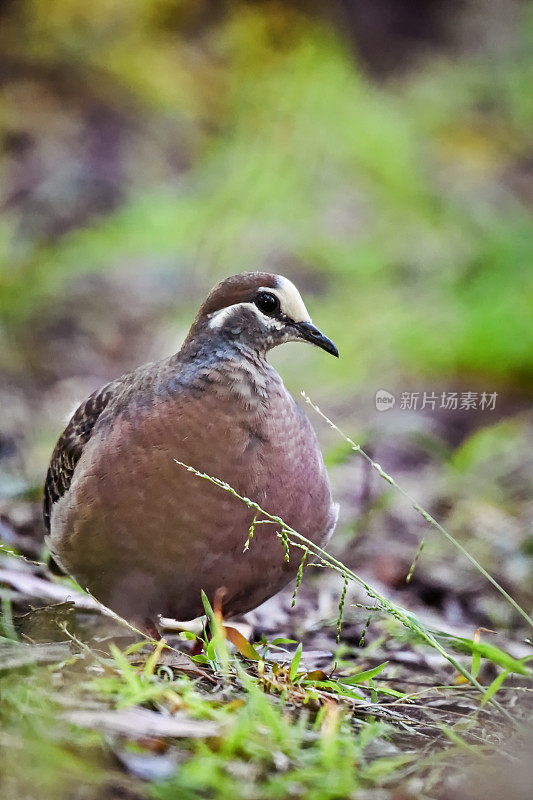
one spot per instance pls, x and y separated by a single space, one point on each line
218 318
290 300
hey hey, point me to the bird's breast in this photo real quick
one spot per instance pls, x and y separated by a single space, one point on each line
132 510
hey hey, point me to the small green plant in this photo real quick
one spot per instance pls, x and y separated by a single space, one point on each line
269 753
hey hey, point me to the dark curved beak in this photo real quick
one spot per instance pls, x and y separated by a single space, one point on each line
311 334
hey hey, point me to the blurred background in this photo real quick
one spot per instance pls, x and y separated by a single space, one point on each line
378 154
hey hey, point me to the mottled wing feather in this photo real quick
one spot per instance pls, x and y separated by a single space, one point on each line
70 447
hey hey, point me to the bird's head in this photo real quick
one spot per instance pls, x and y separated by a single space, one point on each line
258 310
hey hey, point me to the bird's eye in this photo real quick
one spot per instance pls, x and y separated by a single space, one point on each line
267 302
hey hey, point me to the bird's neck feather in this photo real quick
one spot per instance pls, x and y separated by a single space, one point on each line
228 365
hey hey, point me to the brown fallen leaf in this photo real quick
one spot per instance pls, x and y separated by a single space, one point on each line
316 675
241 643
138 723
182 662
17 655
36 587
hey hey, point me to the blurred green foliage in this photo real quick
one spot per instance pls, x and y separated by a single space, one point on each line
38 748
401 198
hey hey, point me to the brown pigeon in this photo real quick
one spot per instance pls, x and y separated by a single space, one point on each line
143 534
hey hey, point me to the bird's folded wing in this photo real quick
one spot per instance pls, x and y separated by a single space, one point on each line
70 446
